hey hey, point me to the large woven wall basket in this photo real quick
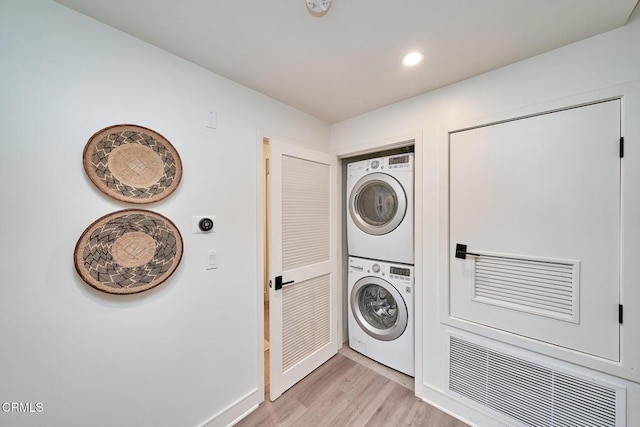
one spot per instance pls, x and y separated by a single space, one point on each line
128 251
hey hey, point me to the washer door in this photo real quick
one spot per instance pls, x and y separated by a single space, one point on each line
379 308
377 204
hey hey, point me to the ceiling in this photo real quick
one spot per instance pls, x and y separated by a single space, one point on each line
347 62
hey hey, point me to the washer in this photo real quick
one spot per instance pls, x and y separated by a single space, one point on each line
380 201
381 319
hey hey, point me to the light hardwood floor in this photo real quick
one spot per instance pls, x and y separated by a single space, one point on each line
344 392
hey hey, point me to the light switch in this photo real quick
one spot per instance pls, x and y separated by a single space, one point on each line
212 260
211 119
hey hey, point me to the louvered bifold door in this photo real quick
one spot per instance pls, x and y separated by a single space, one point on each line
302 260
534 211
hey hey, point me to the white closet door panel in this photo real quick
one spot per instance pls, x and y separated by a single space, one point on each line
542 191
306 319
302 256
305 212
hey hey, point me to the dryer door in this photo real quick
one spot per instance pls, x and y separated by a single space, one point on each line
379 308
377 204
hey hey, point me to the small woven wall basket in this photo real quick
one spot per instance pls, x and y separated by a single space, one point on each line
132 163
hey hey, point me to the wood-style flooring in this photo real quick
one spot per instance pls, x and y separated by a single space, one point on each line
343 392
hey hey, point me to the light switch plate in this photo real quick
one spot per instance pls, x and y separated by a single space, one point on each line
211 119
195 220
211 261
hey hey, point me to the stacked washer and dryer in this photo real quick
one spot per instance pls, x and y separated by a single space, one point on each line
380 244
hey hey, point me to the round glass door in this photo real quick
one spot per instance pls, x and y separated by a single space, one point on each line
379 308
377 204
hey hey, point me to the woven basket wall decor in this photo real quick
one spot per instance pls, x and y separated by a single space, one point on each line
132 163
128 251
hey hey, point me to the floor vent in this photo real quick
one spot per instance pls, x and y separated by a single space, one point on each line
529 393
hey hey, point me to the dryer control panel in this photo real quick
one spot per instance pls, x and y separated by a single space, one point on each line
400 162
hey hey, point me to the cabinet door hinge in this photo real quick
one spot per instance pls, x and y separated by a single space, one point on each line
621 146
620 313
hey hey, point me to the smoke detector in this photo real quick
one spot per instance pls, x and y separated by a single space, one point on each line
318 6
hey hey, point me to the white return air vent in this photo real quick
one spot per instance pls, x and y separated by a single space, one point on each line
546 287
531 394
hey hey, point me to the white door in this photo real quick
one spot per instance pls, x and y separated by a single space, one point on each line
537 203
303 263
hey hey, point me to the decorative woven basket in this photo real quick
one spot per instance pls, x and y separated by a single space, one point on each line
132 163
128 251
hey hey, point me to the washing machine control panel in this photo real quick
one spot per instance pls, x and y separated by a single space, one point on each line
400 273
356 264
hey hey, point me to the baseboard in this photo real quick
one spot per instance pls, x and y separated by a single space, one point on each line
236 411
455 408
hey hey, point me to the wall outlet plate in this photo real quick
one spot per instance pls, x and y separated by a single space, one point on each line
195 224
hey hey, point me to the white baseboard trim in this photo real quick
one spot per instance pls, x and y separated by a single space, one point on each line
456 408
236 411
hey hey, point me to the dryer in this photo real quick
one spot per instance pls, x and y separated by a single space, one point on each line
381 312
380 208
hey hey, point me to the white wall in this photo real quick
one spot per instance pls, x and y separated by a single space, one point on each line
560 76
180 353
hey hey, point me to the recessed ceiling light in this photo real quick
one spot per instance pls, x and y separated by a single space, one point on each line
412 58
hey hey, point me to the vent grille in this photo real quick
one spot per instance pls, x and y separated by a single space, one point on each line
306 315
543 287
532 394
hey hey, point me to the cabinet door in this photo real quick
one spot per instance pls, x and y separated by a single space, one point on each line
537 200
